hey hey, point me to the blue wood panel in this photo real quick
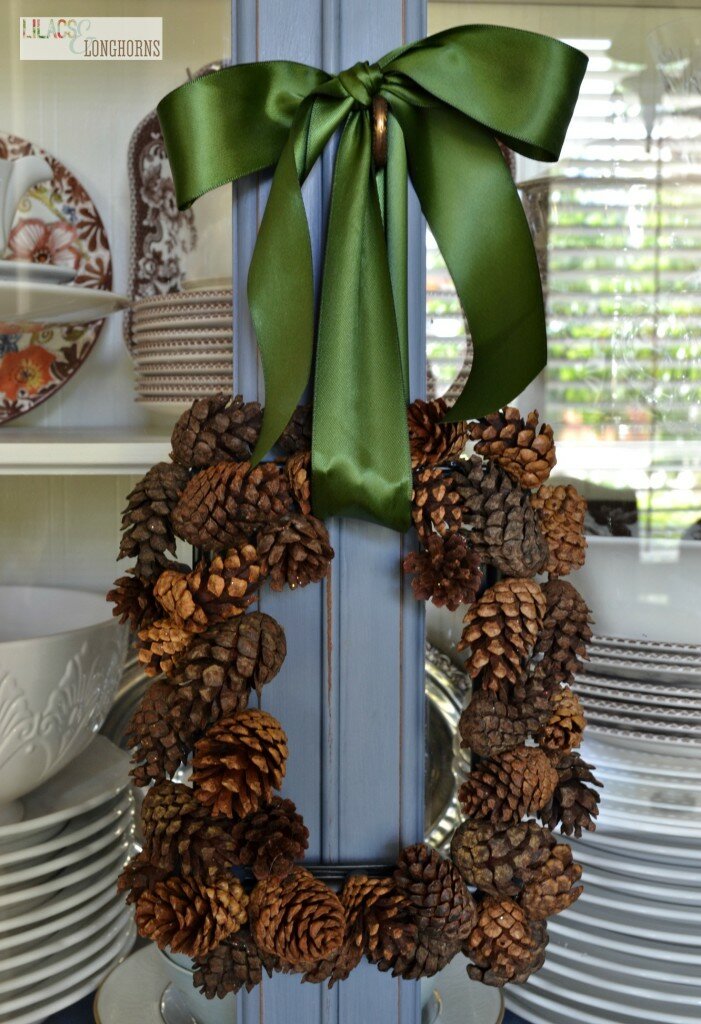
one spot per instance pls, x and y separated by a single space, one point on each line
351 692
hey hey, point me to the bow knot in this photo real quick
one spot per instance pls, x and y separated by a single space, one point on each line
362 82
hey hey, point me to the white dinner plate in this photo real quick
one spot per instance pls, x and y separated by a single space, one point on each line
97 775
72 917
608 915
23 270
645 670
84 826
48 914
587 852
600 751
633 907
105 840
648 847
200 336
633 738
617 689
182 373
654 716
649 647
63 937
658 807
628 965
71 986
660 892
589 936
190 298
637 990
25 304
16 903
170 358
183 322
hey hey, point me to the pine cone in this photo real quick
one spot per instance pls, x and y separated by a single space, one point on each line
191 917
501 631
565 727
565 633
147 534
297 918
503 526
139 875
432 441
358 895
160 643
552 888
502 946
491 723
271 839
438 896
216 429
297 435
447 571
512 442
172 716
294 551
212 592
575 803
239 762
435 503
242 652
178 836
562 511
133 602
160 748
234 964
413 954
298 468
519 782
499 859
222 506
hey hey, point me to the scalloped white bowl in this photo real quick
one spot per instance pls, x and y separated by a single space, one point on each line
61 659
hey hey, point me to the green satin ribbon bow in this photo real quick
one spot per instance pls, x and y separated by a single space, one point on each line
449 96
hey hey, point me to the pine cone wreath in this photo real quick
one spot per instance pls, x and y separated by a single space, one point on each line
147 534
524 452
242 652
565 634
503 525
223 505
216 429
294 551
297 918
358 895
447 571
502 946
139 875
564 729
493 723
178 836
160 644
271 839
159 747
297 435
435 503
562 511
239 762
500 859
234 964
575 803
438 896
191 917
298 468
133 602
501 631
519 782
212 592
553 887
430 439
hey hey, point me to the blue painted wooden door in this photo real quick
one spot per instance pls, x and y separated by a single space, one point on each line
350 694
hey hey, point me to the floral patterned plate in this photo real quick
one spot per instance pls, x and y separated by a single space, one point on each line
57 224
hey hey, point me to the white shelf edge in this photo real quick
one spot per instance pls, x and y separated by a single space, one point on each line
99 452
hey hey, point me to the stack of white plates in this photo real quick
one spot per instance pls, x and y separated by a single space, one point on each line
63 926
183 345
630 948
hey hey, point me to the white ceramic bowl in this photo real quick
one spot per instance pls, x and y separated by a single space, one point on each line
205 1011
61 658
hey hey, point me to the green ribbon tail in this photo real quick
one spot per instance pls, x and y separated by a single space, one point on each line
474 212
360 446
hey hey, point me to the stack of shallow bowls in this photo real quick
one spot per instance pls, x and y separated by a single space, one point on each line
182 345
63 926
629 949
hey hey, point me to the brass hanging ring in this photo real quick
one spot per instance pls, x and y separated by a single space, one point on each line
379 131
